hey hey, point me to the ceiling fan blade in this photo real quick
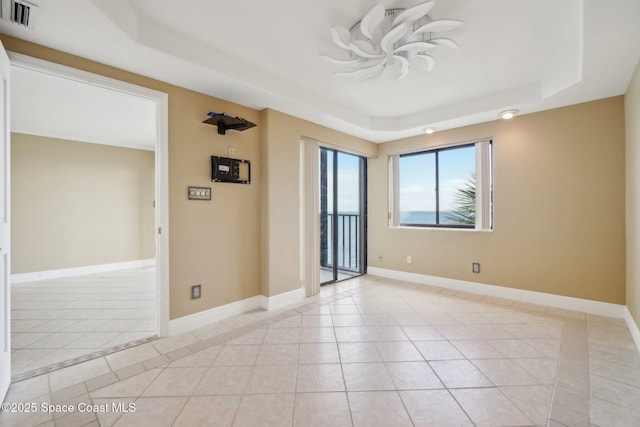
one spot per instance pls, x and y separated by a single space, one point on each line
448 43
393 36
340 61
414 13
360 71
364 49
404 66
425 61
415 47
372 20
341 37
439 25
373 75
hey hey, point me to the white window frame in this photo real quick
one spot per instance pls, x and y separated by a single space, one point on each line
484 184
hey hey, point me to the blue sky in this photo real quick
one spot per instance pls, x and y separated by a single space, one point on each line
348 178
417 178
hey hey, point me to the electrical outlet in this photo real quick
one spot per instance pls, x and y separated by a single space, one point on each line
475 267
380 258
232 151
409 259
196 291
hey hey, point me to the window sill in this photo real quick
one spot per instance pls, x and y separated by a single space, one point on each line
463 230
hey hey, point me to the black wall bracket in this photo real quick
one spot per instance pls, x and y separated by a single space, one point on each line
226 122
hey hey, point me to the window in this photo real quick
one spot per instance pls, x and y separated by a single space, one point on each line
446 187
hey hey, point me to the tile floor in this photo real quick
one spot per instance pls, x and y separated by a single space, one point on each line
326 275
56 320
365 352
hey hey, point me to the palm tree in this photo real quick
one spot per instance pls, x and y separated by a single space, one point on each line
464 211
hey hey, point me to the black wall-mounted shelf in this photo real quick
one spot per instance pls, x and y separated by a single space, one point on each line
226 122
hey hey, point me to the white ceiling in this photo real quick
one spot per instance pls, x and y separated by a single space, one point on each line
48 105
529 55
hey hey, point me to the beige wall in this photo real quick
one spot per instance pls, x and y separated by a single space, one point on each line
558 207
281 135
75 204
565 165
632 121
216 243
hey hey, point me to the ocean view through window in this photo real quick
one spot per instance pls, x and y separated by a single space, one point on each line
447 187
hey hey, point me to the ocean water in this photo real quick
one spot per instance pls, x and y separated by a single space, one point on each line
425 217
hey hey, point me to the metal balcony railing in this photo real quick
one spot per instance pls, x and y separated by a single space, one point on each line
348 241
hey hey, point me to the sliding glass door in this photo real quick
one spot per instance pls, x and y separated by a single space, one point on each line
343 221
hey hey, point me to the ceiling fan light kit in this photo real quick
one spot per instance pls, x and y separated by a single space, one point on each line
395 39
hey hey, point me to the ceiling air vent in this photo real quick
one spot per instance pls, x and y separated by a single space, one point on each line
20 12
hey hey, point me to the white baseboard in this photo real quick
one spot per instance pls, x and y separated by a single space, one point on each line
633 327
558 301
216 314
278 301
80 271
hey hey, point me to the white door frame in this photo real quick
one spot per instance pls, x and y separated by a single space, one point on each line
5 227
161 100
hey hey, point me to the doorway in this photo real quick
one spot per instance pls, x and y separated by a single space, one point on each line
110 328
343 220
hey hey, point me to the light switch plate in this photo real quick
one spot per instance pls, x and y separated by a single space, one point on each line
199 193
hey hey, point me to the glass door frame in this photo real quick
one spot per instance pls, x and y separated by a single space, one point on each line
361 219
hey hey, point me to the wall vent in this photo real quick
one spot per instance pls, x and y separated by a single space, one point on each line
20 12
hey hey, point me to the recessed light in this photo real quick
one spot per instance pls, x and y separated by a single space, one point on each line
429 131
508 114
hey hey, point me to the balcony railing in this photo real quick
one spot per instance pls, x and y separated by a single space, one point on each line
348 241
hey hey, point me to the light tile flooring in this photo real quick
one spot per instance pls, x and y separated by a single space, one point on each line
57 320
327 275
365 352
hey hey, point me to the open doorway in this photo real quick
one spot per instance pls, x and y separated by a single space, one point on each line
342 215
89 205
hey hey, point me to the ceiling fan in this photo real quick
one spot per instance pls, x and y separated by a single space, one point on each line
396 39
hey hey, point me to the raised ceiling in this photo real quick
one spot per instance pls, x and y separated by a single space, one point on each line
513 54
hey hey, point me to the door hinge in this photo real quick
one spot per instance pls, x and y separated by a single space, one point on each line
159 230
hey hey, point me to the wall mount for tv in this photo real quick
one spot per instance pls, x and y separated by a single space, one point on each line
226 122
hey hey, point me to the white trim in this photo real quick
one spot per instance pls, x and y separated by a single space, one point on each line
483 182
281 300
216 314
633 327
162 161
62 71
5 224
393 214
162 214
80 271
483 165
438 229
540 298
